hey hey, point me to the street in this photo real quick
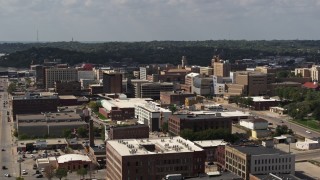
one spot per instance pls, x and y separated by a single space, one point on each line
277 120
6 155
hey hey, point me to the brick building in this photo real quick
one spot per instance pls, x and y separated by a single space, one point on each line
112 82
153 159
73 162
210 146
128 132
67 87
33 103
198 122
173 97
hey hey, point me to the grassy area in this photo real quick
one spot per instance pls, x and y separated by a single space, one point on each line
310 123
101 116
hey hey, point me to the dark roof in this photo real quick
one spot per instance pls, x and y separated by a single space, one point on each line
277 176
257 150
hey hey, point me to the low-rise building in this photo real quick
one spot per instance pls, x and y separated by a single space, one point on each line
308 144
153 159
210 146
263 103
174 97
32 103
122 108
73 162
254 123
246 160
198 122
67 87
152 115
51 124
128 132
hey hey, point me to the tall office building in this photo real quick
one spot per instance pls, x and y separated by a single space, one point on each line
112 82
220 68
59 74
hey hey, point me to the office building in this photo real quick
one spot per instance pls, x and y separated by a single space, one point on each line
152 115
128 132
153 159
198 122
67 87
59 74
112 82
151 89
221 68
246 160
32 103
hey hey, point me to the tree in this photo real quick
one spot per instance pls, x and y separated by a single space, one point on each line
61 172
94 106
82 132
19 178
49 172
82 172
172 108
67 133
11 88
164 127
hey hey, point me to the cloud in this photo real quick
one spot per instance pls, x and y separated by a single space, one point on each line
159 19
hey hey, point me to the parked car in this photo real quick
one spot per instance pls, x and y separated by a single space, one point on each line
39 176
7 175
308 132
4 167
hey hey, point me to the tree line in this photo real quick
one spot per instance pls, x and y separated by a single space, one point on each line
197 52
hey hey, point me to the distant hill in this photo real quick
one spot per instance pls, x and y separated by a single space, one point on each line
197 52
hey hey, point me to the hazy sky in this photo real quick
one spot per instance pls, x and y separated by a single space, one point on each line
146 20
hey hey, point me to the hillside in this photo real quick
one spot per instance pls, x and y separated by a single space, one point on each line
197 52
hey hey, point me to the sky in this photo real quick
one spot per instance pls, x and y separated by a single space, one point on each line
148 20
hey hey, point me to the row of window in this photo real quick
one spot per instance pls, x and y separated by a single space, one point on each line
269 161
273 168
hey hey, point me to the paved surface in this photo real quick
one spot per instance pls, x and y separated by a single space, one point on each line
308 169
276 120
5 134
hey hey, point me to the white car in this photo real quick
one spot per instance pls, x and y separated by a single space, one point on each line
7 175
308 132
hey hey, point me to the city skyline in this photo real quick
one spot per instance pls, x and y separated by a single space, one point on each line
147 20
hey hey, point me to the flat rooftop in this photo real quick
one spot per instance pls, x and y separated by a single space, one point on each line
166 145
258 150
124 103
153 107
49 116
211 143
67 97
222 113
262 99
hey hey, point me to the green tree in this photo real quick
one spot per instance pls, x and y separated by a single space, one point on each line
82 172
94 106
19 178
188 134
173 108
164 127
82 132
67 133
61 172
11 88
